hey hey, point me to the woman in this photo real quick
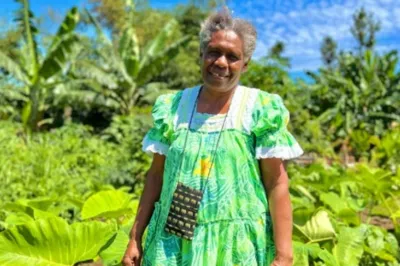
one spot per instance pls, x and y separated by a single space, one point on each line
233 153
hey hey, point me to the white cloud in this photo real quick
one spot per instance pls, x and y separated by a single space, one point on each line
387 47
302 64
396 16
261 49
302 25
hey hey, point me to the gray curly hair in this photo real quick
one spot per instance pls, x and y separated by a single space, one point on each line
223 20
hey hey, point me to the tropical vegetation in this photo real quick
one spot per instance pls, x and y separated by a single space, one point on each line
75 105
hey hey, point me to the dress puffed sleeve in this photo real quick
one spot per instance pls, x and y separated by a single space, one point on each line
158 138
270 120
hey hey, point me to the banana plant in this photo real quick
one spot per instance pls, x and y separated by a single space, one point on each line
361 93
122 75
34 76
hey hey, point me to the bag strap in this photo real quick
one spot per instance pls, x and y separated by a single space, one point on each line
217 142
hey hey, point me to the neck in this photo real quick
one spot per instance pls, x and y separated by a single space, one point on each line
214 102
210 94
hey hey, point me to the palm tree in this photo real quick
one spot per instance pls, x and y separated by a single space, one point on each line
34 76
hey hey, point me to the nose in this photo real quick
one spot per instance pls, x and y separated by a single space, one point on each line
221 62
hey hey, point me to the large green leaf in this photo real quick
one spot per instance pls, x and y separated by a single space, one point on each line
95 73
349 249
61 46
389 207
381 244
24 18
303 191
375 180
108 204
31 211
52 241
155 61
12 93
57 58
17 218
301 253
129 51
327 258
318 228
303 213
340 207
333 200
112 253
36 208
41 203
305 253
13 68
100 33
67 26
158 44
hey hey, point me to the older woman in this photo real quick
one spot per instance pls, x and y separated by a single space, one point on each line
221 146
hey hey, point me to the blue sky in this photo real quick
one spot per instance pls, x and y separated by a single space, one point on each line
300 24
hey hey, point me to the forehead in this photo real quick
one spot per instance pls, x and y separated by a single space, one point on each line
226 39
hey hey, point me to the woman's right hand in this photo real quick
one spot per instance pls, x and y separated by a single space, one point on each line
151 194
133 254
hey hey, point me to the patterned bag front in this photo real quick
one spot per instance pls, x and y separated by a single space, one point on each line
182 214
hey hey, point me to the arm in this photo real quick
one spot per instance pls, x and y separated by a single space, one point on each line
151 194
276 184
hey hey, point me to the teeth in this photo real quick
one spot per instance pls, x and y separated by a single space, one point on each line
217 75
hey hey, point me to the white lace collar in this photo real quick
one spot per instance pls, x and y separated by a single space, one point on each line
238 111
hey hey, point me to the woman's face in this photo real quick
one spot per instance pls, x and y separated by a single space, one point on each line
223 61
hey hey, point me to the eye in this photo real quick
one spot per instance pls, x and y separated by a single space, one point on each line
213 53
233 57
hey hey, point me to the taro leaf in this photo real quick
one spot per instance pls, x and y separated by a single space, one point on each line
107 204
41 203
17 218
388 207
340 207
318 228
53 242
327 258
31 211
333 201
302 215
301 253
112 253
381 244
305 253
349 249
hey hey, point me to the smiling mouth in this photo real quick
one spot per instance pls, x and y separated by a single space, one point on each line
216 75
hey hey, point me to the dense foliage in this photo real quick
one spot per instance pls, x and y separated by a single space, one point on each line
74 108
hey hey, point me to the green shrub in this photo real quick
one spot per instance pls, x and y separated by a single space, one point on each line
68 161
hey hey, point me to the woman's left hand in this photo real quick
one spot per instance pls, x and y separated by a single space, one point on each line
282 261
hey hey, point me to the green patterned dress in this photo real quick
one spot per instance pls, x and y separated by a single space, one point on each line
234 224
